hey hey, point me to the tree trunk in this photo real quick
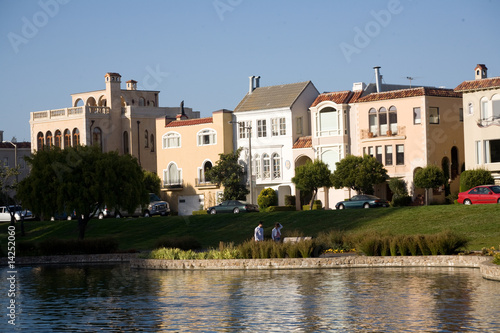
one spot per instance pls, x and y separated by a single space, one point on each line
82 225
427 197
313 198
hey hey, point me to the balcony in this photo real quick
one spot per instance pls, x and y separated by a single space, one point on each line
388 135
205 183
75 112
490 121
173 185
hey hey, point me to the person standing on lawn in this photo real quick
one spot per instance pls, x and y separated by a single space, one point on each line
276 233
259 233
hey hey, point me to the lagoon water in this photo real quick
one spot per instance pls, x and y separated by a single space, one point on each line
116 298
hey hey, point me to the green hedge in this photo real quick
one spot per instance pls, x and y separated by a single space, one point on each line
317 205
200 212
281 209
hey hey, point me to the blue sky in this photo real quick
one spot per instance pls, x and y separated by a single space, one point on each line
203 51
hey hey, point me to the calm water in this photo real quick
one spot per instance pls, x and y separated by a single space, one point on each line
115 298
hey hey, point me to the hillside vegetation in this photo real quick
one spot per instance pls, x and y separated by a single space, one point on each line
479 223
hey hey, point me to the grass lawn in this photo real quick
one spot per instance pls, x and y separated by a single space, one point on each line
480 223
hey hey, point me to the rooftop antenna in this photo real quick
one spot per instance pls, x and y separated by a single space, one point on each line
410 78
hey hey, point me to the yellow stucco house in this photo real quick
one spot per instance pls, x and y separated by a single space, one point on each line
186 149
115 119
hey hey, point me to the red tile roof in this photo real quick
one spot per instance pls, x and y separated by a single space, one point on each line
190 122
482 84
303 142
413 92
338 97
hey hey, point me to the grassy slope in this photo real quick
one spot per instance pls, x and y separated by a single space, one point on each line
480 223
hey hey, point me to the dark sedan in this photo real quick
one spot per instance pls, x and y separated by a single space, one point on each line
362 201
485 194
232 206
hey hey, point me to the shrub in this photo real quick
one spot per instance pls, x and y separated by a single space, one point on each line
370 245
401 201
496 259
200 212
183 243
289 200
280 209
472 178
266 198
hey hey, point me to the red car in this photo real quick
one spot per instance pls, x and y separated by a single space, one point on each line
484 194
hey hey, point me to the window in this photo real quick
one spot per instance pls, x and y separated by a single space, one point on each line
126 149
207 137
495 103
207 165
328 122
382 119
261 128
172 176
141 101
478 152
276 166
470 109
58 139
266 166
48 139
97 137
171 140
152 143
299 123
433 115
373 121
244 129
400 154
485 112
370 151
76 137
256 166
379 154
282 122
461 114
146 139
388 155
67 138
39 141
491 151
393 119
274 127
331 155
417 120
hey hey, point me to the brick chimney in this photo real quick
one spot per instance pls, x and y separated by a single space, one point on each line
481 71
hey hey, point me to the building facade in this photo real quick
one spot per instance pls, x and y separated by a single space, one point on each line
272 118
481 105
12 154
115 119
187 148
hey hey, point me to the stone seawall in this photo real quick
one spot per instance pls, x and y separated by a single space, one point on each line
489 270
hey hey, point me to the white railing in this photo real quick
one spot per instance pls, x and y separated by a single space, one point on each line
77 111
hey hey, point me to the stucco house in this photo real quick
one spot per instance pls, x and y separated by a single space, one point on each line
272 118
115 119
187 148
481 105
12 154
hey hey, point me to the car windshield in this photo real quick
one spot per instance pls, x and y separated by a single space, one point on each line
153 197
495 189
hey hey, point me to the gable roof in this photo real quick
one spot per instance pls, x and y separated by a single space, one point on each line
272 97
338 97
413 92
303 142
481 84
190 122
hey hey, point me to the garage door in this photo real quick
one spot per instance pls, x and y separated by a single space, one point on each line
188 203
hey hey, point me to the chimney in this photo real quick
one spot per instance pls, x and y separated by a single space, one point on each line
481 71
131 85
257 82
1 136
378 78
251 87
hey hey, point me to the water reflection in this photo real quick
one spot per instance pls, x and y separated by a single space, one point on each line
118 299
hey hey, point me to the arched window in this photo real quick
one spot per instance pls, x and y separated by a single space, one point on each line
207 165
39 141
76 137
126 149
58 139
256 166
103 101
48 139
276 166
78 102
485 110
328 122
330 156
207 137
91 101
67 138
172 176
373 121
393 119
97 137
495 105
382 120
470 109
152 143
266 166
171 140
141 101
146 139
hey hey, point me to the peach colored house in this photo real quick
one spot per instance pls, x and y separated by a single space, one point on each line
481 104
113 118
187 148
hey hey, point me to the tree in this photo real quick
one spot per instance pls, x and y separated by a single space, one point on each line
7 184
429 177
81 179
229 173
266 198
152 182
359 173
473 178
311 176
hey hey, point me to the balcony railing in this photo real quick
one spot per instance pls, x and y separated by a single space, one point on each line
486 122
367 134
173 185
73 112
204 183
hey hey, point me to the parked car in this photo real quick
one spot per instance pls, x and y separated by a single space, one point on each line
484 194
156 206
362 201
18 213
232 206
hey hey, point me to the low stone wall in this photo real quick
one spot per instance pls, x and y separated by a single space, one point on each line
74 259
489 270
